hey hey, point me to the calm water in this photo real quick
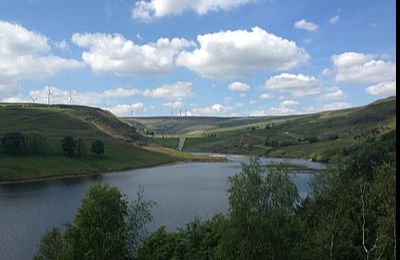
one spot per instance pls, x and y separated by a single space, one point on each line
182 192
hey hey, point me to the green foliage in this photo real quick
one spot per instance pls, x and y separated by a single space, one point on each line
197 240
97 147
98 230
139 214
68 145
105 227
13 143
80 146
18 143
52 246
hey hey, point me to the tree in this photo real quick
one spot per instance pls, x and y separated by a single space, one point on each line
68 145
139 214
262 202
97 147
52 246
98 230
13 143
80 146
35 143
105 227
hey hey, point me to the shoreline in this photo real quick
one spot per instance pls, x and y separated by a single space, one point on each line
83 175
201 158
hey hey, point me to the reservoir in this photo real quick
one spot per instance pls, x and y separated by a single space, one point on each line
182 192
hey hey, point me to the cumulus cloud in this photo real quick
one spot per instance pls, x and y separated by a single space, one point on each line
62 96
239 86
234 53
265 96
352 67
25 55
147 10
382 88
289 103
338 94
298 85
214 110
114 54
124 109
121 92
334 19
176 104
336 106
178 91
304 25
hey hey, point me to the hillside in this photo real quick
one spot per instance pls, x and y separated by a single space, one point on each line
54 123
315 136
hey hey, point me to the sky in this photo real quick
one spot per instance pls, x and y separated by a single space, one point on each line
198 57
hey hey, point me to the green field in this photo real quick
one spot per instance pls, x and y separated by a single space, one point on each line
315 136
121 142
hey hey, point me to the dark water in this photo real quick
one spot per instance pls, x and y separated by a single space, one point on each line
182 192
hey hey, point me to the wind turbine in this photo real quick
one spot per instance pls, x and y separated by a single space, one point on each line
105 105
130 106
33 99
48 95
71 100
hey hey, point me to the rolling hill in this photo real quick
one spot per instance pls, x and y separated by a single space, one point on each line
123 146
314 136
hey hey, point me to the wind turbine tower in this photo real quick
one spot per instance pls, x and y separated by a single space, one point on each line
48 96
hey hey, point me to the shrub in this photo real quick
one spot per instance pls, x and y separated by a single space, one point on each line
68 145
97 147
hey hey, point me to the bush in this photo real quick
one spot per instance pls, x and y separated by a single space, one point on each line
80 147
68 145
13 143
105 227
97 147
17 143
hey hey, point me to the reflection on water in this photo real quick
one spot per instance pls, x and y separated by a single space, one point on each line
182 192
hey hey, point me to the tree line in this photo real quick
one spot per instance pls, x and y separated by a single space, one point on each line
17 144
350 213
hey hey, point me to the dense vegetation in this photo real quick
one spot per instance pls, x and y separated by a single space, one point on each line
316 136
350 214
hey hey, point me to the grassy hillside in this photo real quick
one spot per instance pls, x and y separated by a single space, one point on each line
54 123
316 136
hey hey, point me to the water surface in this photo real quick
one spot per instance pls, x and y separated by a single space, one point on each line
182 192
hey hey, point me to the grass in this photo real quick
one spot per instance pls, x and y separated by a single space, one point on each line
249 135
121 149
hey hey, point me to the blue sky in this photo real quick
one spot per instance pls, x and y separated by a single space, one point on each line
220 58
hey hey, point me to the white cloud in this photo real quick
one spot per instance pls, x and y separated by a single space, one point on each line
115 54
334 19
239 86
214 110
338 94
265 96
176 104
121 92
25 55
383 88
252 102
336 106
147 10
304 25
176 91
125 110
362 68
298 85
289 103
234 53
62 45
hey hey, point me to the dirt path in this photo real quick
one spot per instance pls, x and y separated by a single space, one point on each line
181 143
